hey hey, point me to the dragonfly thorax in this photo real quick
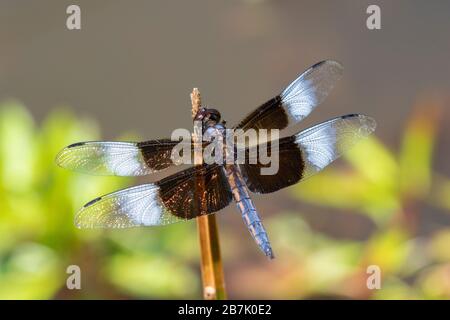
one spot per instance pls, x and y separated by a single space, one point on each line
212 132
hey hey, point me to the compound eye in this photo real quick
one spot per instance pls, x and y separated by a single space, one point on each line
214 115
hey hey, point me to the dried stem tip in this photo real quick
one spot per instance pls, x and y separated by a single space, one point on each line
196 101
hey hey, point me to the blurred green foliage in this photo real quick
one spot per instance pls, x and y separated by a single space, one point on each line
396 192
392 192
38 240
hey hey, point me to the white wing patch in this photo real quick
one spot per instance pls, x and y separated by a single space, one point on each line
122 163
327 141
104 158
319 146
310 88
136 206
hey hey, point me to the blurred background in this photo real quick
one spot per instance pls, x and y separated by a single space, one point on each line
127 74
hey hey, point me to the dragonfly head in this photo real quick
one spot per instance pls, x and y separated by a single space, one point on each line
209 117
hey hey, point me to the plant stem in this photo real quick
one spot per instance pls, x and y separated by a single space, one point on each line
211 261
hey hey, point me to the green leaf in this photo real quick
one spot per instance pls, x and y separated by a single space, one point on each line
388 249
31 272
17 147
416 153
374 161
152 276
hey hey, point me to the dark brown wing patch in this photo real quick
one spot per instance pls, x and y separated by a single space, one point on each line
196 191
290 171
270 115
157 153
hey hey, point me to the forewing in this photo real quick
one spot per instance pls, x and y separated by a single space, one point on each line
297 100
118 158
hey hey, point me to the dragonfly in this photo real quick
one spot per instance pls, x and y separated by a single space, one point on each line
204 189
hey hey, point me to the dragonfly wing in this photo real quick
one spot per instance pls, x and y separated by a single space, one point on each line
297 100
119 158
185 195
307 152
